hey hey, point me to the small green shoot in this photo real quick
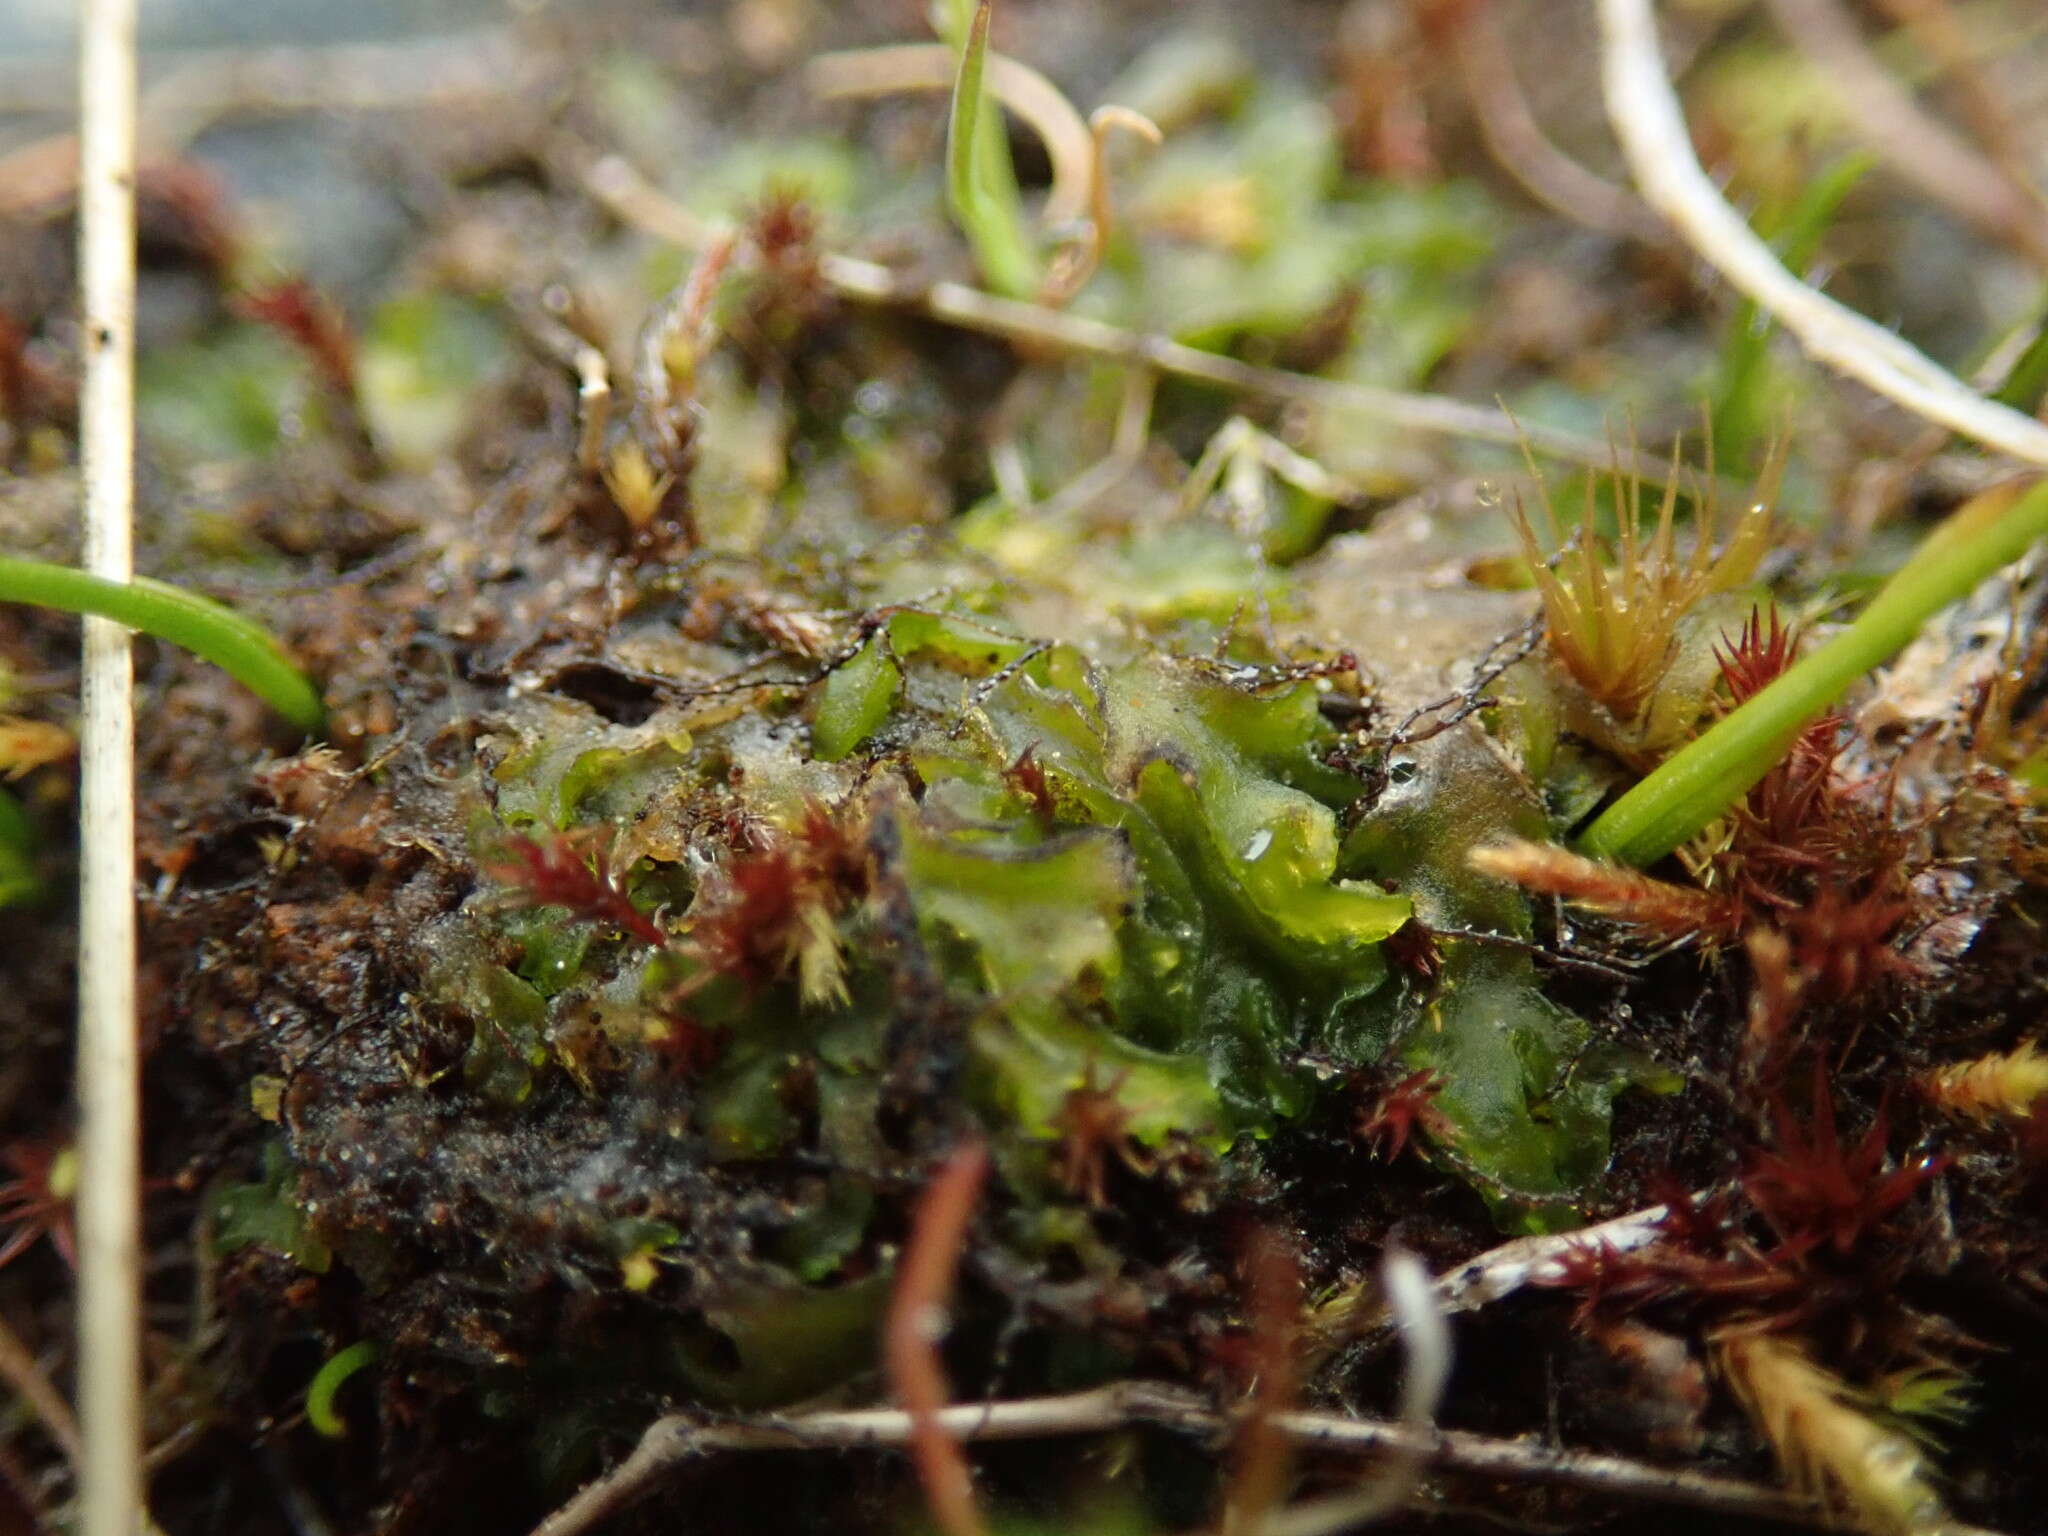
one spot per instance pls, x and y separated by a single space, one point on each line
2027 380
1701 781
18 881
328 1380
981 183
239 646
1926 1400
1739 405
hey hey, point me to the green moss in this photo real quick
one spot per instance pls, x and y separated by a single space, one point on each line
425 356
223 397
264 1213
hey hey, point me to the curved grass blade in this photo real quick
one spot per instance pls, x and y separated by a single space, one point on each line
239 646
327 1381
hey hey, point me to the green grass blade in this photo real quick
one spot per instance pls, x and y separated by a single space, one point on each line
18 880
2028 380
239 646
981 184
1700 782
1737 412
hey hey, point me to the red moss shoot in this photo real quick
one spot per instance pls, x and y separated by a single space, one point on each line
297 311
1403 1109
916 1320
572 870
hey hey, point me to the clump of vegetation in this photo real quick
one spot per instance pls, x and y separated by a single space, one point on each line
812 811
1616 619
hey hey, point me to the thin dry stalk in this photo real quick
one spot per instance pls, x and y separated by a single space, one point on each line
672 343
1076 263
200 87
18 1368
593 407
1919 146
671 1442
1525 1261
632 198
1776 991
1941 36
110 1288
1516 139
915 1324
1069 144
1651 126
1418 1313
1127 447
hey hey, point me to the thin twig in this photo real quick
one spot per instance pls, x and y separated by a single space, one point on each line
1651 126
593 407
631 198
1127 448
18 1368
109 1144
200 87
463 68
1074 266
1262 1454
1942 38
1919 146
669 1442
1509 651
1517 140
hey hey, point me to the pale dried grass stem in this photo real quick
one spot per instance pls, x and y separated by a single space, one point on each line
1647 118
109 1311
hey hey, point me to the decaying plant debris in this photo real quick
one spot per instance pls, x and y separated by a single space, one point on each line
849 804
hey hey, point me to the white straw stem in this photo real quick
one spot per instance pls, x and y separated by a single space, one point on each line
109 1289
1647 119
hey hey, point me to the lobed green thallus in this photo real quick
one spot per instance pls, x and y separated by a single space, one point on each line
1697 784
237 645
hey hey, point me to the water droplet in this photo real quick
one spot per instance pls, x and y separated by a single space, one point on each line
1261 840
